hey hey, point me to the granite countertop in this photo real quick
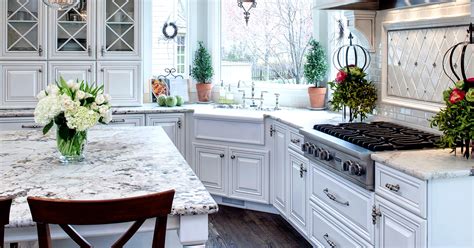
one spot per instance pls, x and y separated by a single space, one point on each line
427 164
120 162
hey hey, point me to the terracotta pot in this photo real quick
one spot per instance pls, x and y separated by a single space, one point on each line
204 92
317 97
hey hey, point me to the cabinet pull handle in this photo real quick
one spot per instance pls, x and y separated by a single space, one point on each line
89 70
118 121
222 155
102 51
179 124
375 213
102 69
40 50
302 170
333 198
295 141
330 243
31 126
89 50
232 157
392 187
40 71
272 130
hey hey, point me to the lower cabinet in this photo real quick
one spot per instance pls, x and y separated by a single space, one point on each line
233 172
279 168
396 227
173 124
299 198
128 120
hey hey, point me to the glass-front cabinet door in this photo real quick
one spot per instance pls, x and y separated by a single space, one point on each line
119 28
22 28
73 32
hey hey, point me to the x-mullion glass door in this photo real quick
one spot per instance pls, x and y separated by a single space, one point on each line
73 32
22 28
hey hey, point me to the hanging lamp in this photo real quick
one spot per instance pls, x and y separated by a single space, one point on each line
253 4
61 4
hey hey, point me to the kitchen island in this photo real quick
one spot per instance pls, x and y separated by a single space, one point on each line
120 162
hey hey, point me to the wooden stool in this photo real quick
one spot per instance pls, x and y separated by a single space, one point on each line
5 204
66 213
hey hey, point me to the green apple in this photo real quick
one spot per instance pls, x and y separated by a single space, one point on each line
171 101
161 100
179 101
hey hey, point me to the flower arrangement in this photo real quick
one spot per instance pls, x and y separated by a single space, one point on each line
353 90
456 121
74 107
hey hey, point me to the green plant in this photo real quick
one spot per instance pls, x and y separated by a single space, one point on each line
316 66
456 121
202 69
351 89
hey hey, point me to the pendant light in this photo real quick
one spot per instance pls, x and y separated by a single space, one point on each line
61 4
252 4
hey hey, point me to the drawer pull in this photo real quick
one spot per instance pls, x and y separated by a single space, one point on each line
180 123
31 126
391 187
330 243
295 141
118 121
333 198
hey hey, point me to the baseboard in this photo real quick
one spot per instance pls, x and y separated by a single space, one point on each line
267 208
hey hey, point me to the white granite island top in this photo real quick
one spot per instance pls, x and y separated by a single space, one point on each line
427 164
120 162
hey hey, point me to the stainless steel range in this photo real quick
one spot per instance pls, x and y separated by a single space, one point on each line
346 148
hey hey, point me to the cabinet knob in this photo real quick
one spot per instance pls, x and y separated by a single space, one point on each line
232 157
102 51
89 70
222 155
40 50
89 50
102 69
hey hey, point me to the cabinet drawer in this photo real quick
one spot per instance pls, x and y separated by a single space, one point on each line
296 140
18 123
128 120
404 190
327 232
349 203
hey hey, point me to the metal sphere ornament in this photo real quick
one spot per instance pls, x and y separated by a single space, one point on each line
351 55
460 72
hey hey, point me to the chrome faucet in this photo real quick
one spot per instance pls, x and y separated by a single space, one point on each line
253 105
243 97
277 103
261 99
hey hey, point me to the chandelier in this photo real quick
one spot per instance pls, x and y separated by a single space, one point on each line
61 4
251 4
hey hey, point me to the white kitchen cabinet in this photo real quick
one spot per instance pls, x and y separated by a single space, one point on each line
23 30
21 82
122 80
396 227
279 168
173 124
78 70
133 120
299 199
72 32
249 175
210 162
119 28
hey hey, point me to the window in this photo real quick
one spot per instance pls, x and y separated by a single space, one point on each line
169 52
271 48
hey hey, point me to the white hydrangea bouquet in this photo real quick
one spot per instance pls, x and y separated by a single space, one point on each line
74 107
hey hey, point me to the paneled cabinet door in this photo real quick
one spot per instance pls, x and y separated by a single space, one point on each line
298 201
119 29
173 124
72 32
72 71
21 82
279 169
210 164
122 81
249 175
23 29
396 227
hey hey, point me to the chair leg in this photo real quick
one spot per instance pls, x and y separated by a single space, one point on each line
2 234
160 232
44 236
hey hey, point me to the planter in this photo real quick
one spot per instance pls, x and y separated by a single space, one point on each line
70 144
204 92
317 97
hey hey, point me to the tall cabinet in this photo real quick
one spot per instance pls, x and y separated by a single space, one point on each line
96 41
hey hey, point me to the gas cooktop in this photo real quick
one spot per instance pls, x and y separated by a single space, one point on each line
380 136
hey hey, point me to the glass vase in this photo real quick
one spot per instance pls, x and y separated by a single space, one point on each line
71 144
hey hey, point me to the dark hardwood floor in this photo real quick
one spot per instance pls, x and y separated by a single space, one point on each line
235 227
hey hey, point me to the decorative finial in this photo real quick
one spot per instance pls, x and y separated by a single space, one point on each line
350 38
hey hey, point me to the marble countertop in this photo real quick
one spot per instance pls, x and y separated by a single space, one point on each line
121 162
427 164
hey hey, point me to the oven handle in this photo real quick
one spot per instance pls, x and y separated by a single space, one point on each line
333 198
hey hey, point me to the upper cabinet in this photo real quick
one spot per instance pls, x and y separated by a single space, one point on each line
118 30
73 32
22 29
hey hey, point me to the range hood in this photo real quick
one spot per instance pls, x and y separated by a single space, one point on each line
372 4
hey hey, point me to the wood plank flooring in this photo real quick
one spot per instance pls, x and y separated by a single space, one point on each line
235 227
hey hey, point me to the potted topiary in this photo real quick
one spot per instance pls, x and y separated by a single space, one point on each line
202 72
315 71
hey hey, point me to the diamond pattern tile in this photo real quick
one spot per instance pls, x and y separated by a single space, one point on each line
415 62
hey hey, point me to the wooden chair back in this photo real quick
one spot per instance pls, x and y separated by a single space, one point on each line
5 204
66 213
